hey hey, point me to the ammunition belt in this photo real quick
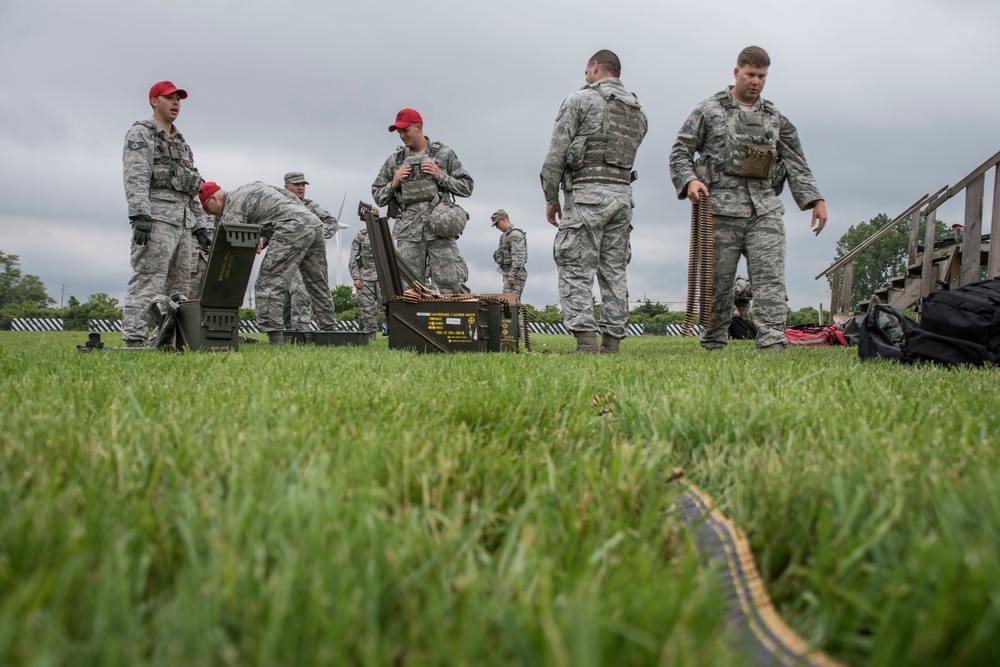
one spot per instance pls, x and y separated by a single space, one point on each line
719 541
701 266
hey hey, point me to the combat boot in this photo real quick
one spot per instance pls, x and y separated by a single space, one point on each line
135 342
586 342
610 344
276 337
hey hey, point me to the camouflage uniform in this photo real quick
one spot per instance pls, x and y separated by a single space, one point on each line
297 309
747 212
742 294
594 141
296 244
362 267
423 252
512 256
161 182
199 260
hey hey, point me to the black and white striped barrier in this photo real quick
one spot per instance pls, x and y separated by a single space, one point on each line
36 324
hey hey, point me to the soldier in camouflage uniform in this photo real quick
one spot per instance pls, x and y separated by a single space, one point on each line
511 254
296 237
297 314
161 184
742 295
747 149
414 179
597 132
362 268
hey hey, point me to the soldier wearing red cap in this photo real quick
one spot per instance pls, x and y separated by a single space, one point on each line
161 187
417 177
296 245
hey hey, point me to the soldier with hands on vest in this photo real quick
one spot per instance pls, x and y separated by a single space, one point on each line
161 187
296 245
746 150
362 267
594 142
419 183
297 313
511 255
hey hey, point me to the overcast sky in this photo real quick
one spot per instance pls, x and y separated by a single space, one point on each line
892 99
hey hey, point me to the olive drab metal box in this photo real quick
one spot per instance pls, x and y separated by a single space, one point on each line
212 323
457 323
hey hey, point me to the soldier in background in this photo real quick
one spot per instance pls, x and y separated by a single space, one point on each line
742 295
594 142
161 184
746 150
365 275
296 309
297 244
418 176
511 254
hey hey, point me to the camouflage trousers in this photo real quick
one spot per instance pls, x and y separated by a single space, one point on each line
370 302
199 264
593 240
761 239
290 251
297 309
518 287
162 266
439 259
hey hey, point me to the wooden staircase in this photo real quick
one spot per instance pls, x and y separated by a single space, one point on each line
957 261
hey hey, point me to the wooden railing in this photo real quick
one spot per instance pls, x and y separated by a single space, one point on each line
841 272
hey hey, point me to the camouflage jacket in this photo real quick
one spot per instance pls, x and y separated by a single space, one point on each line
582 114
330 225
362 260
155 176
742 289
258 203
412 224
709 132
512 253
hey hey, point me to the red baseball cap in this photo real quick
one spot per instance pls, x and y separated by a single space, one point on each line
208 188
405 118
166 88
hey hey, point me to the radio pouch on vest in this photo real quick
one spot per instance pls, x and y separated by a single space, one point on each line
758 161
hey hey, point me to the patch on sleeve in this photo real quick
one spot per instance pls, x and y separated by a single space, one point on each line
136 145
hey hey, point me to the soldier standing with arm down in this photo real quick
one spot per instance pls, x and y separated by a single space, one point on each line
365 276
297 313
414 179
746 149
594 142
297 244
161 184
511 254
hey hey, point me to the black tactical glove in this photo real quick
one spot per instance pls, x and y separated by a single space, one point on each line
142 225
204 239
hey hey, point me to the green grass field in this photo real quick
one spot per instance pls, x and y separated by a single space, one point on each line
361 506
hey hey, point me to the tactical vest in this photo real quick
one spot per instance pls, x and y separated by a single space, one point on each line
751 139
418 186
173 163
502 255
608 157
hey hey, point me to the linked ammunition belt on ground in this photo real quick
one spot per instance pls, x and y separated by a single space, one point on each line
701 266
759 630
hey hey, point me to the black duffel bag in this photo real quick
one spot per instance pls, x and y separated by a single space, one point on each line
882 332
969 313
923 345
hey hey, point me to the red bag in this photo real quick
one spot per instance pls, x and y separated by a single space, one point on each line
814 334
